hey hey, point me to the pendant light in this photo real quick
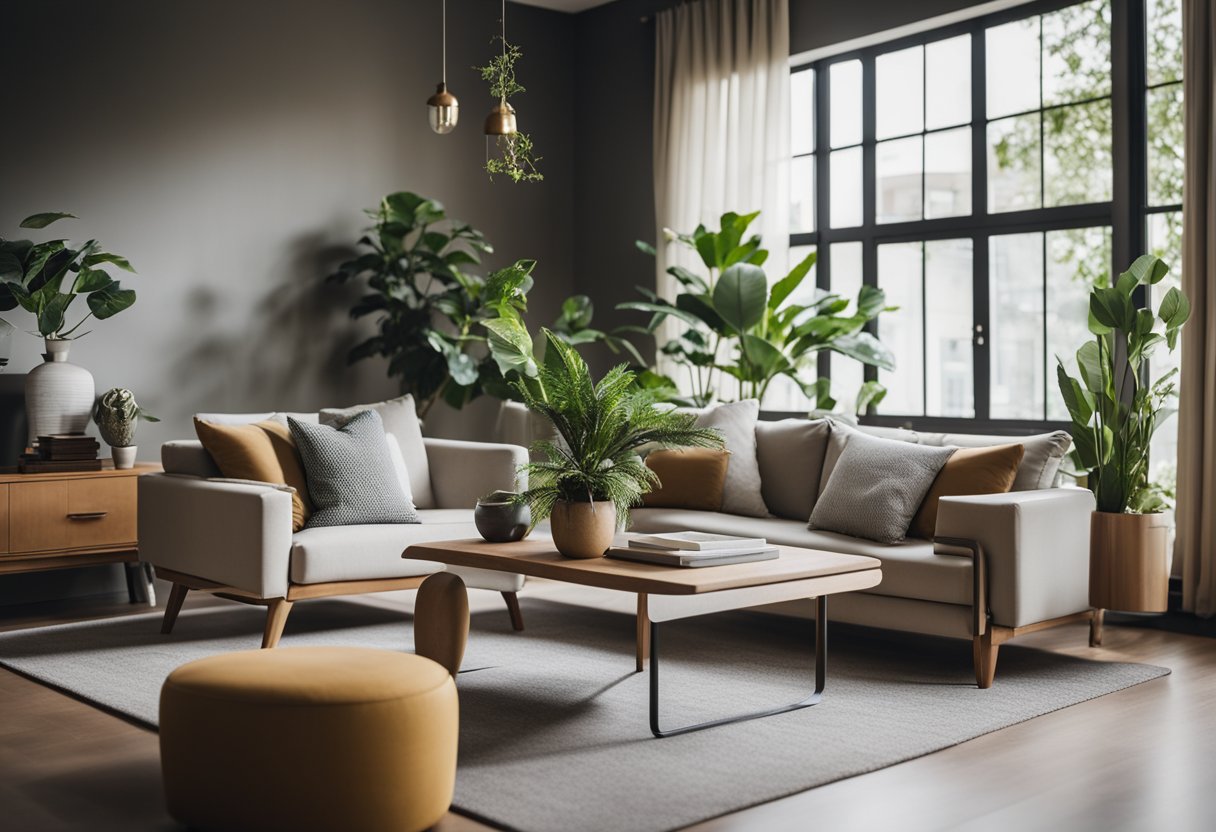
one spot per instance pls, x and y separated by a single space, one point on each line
442 108
501 120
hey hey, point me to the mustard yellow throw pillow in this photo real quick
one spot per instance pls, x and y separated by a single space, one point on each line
263 452
692 478
968 471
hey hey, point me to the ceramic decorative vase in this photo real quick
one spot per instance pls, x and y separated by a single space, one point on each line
583 530
58 395
123 456
500 519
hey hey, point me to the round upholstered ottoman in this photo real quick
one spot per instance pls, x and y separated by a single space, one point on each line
324 738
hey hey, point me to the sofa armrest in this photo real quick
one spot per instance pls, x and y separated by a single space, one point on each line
463 472
1036 545
232 533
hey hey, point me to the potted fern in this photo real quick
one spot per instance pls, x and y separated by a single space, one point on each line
586 480
1115 409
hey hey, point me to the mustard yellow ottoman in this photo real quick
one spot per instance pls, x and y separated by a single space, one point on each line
309 738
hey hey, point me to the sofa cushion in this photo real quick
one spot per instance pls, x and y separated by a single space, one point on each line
876 488
1040 463
909 569
688 478
260 452
358 553
350 475
790 453
736 422
969 471
400 418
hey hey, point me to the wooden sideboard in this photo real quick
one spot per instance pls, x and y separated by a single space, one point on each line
86 518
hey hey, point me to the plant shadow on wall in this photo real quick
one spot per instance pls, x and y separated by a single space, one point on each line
447 333
731 323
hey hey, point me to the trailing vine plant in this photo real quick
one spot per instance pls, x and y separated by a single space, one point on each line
516 157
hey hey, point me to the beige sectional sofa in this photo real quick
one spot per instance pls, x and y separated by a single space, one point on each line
1002 564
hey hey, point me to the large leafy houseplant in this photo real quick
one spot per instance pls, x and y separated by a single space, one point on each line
1114 405
733 323
45 278
599 428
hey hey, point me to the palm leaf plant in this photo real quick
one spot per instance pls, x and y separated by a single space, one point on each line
732 323
45 278
600 427
1114 405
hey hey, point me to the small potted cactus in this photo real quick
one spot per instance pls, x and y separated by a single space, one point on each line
116 414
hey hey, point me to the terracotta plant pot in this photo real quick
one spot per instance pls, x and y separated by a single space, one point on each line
583 530
1129 563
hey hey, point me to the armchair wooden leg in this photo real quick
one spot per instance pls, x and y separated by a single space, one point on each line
276 618
984 650
517 618
1095 627
173 607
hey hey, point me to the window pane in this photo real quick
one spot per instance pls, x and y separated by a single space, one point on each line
1076 53
948 82
948 173
899 274
802 112
1013 164
847 373
1165 241
845 171
1015 315
900 92
949 381
1165 145
897 166
1077 154
1077 260
846 103
802 194
1164 41
1013 67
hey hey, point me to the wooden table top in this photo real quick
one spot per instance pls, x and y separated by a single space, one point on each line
10 475
537 558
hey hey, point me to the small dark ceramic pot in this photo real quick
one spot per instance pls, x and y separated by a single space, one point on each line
500 519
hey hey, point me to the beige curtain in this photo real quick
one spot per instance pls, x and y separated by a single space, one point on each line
1196 516
721 123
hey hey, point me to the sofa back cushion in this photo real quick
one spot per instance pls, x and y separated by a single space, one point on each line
1044 452
791 454
400 418
693 478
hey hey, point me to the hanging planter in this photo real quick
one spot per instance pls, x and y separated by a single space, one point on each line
508 151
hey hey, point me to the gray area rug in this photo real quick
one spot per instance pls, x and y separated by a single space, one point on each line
554 732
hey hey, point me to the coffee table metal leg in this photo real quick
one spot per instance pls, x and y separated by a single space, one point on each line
821 651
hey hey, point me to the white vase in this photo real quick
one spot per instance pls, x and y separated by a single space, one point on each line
123 456
58 395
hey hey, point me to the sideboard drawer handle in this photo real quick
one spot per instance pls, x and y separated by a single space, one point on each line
88 515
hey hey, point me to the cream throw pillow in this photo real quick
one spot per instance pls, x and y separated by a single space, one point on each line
737 424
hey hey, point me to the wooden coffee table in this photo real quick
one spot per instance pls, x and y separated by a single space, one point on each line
671 593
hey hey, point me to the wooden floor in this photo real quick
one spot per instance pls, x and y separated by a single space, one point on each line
1140 759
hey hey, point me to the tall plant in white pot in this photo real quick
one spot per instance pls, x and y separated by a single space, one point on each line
1116 408
117 414
44 279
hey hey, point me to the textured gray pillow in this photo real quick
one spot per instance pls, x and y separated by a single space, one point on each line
737 424
350 473
876 487
400 418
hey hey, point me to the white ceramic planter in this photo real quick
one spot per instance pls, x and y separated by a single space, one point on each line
58 395
124 457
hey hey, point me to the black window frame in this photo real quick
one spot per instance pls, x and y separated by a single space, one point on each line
1126 214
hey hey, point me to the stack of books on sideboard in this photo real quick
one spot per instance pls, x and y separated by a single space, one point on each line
61 452
692 549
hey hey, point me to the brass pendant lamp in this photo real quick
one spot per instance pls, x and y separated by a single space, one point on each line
501 120
442 108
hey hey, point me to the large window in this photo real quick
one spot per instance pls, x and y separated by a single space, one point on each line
986 176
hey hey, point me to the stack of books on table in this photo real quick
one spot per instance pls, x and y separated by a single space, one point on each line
694 549
62 452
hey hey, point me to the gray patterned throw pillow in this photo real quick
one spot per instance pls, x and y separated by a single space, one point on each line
876 487
350 473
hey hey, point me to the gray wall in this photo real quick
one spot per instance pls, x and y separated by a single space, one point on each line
228 149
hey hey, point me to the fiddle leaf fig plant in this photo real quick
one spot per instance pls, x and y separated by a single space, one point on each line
733 323
45 278
1114 404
